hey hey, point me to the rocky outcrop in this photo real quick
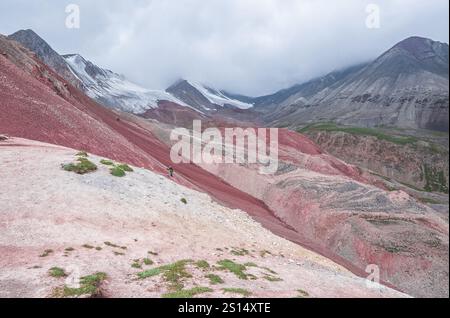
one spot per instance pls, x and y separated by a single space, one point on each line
30 40
420 164
405 87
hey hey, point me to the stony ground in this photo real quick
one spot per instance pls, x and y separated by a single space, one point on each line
133 236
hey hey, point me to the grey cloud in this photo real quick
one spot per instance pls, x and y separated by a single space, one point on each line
245 46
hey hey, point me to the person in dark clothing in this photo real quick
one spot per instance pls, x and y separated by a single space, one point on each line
170 169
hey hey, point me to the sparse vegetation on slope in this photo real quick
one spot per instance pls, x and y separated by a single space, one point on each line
397 139
89 285
214 279
240 291
435 180
117 172
235 268
106 162
83 166
57 272
188 293
125 167
174 273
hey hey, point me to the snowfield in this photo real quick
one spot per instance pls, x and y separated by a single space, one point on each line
100 223
216 97
115 90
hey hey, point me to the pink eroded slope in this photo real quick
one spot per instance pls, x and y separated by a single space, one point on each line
39 105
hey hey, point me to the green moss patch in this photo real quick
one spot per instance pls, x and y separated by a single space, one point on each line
106 162
188 293
202 264
83 166
214 279
240 291
125 167
435 180
57 272
174 273
235 268
89 285
117 172
380 135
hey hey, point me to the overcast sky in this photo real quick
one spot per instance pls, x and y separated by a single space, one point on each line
251 47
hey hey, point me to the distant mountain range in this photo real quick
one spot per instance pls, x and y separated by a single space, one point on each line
406 87
340 211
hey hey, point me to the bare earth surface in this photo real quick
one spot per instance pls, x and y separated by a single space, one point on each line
72 216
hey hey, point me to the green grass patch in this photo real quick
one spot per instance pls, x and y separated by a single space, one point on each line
117 172
150 273
214 279
115 245
202 264
235 268
57 272
83 166
331 127
435 180
125 167
89 285
106 162
240 291
183 200
188 293
174 273
148 261
69 249
89 247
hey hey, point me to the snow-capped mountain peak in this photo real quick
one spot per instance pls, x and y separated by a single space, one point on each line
203 97
114 89
217 97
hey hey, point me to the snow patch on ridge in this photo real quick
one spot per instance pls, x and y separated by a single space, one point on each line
216 97
114 89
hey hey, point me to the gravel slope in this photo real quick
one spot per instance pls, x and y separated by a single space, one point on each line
44 207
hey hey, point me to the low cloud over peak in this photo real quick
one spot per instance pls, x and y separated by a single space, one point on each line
251 47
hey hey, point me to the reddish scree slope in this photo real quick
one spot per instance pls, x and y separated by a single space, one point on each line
44 107
38 104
